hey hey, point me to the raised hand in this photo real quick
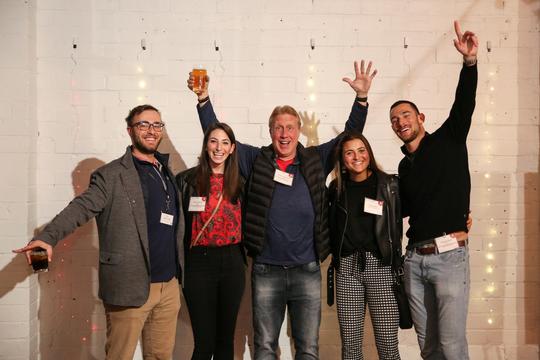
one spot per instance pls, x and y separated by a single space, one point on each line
32 245
201 94
362 82
466 43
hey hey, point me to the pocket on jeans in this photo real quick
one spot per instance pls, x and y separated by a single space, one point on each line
260 269
312 267
456 257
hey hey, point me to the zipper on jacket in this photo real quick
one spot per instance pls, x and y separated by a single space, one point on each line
388 223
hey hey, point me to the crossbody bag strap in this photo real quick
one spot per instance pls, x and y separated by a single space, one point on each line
194 242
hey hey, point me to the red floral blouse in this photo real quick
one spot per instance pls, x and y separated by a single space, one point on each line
225 228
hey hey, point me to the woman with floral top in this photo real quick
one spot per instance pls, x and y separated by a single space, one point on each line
215 263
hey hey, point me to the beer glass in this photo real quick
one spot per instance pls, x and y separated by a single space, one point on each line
40 260
199 78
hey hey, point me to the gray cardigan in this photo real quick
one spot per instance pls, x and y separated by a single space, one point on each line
115 198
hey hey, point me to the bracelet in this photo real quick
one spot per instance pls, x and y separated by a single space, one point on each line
361 99
203 100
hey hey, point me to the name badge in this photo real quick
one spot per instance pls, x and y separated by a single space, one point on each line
283 177
373 206
446 243
166 219
197 204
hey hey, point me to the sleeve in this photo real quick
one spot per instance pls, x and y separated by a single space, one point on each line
81 209
246 153
460 117
356 121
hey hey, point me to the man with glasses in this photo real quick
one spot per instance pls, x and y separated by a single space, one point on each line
140 225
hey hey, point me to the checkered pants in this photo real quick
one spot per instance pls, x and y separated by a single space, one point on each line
355 289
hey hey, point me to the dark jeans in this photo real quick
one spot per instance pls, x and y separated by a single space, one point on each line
275 288
214 284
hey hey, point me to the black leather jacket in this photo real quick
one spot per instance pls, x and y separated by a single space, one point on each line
388 226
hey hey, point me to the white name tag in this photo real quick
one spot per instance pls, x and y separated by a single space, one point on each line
166 219
197 204
283 177
373 206
446 243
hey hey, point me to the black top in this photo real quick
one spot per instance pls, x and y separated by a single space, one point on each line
435 182
360 232
159 197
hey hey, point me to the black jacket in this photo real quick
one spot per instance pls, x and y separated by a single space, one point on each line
259 199
388 226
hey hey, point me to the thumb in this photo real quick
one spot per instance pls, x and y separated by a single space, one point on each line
348 81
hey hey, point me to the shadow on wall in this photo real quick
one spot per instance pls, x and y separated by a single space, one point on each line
70 317
71 320
527 60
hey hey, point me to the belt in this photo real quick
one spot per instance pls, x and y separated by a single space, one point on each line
431 248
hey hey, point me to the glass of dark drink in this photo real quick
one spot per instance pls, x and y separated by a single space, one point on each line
40 260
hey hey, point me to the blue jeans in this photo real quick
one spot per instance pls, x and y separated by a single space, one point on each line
275 288
438 290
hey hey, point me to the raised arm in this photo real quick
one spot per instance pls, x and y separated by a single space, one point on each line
460 118
357 117
207 117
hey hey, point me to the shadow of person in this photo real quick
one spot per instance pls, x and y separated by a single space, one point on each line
176 163
71 316
243 336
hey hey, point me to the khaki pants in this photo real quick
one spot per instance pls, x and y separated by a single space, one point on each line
156 319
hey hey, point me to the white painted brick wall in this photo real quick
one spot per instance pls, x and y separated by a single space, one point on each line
18 300
66 108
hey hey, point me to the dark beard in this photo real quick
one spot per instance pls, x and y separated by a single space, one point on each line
142 149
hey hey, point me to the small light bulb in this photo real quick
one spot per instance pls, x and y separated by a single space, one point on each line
312 97
490 321
490 256
142 84
487 175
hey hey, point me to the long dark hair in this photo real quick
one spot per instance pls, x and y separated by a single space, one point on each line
340 171
231 174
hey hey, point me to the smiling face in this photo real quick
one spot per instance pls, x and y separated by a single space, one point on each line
355 158
285 132
145 141
218 148
407 123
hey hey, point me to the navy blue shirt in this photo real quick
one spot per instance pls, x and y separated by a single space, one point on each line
291 218
159 197
289 232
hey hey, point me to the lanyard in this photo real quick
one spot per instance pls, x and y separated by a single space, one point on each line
157 168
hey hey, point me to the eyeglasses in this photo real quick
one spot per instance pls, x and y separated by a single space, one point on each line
145 126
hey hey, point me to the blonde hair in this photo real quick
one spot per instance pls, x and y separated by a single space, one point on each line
280 110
